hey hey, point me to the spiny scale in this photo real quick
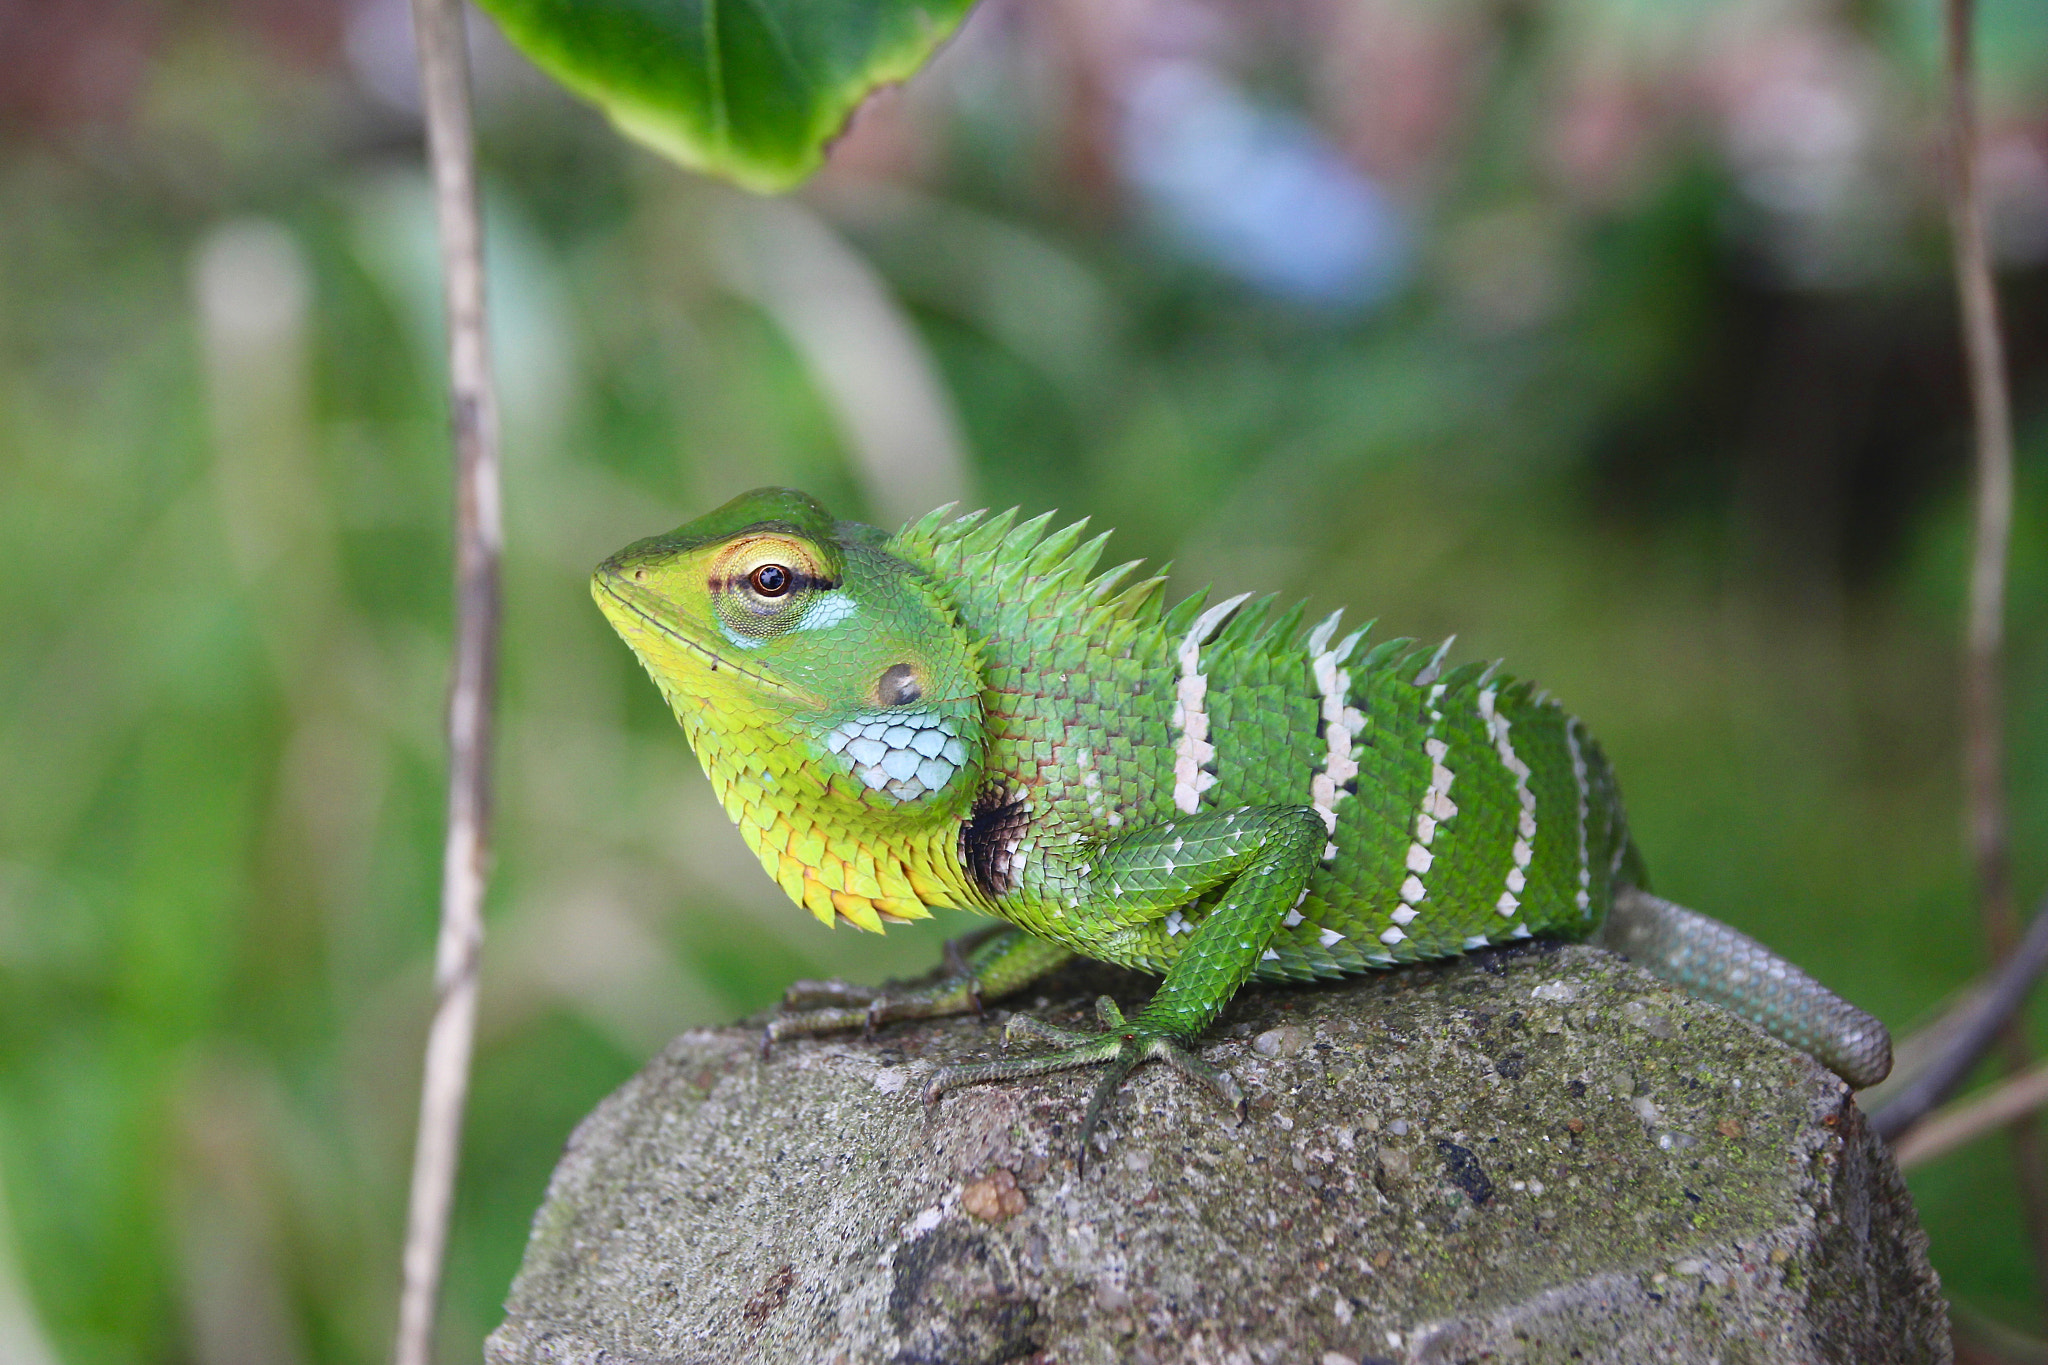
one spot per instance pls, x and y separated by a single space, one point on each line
1092 701
967 714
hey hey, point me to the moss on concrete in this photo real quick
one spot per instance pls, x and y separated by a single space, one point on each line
1532 1156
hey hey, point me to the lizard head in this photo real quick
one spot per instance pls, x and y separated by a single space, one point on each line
803 658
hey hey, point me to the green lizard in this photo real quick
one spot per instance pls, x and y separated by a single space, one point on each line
964 714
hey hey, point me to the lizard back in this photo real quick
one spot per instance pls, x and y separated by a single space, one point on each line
1462 808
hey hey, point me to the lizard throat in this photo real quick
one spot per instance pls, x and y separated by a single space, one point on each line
835 862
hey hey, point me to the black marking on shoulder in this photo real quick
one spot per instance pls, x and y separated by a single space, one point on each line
989 838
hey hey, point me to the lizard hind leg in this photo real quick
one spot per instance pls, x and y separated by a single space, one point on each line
1706 958
957 961
983 966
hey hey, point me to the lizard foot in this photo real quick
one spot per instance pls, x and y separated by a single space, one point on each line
813 1007
1121 1047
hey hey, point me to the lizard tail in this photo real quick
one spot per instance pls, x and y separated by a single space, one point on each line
1709 960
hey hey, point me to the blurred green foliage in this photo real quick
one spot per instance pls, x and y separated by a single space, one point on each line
1622 423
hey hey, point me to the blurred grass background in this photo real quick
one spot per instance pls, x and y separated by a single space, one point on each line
1617 338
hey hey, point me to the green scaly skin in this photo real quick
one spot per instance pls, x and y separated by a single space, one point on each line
964 714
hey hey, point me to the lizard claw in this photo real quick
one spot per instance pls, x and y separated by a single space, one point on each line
1122 1047
1025 1026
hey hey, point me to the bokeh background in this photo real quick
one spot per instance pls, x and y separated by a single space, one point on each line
1615 336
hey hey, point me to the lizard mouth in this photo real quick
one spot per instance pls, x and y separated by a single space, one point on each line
625 598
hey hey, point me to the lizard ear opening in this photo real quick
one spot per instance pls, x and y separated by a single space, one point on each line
899 685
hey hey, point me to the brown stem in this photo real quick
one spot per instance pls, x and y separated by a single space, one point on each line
1984 353
1984 654
473 411
1962 1123
1987 1018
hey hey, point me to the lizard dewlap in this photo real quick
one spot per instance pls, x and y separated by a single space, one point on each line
967 714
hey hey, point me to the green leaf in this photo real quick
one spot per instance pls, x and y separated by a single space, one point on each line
751 90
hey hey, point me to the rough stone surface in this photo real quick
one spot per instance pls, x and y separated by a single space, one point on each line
1541 1155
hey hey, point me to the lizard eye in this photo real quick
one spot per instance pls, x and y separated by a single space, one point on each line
762 586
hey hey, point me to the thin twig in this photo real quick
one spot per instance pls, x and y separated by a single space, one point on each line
1961 1123
1984 354
1984 654
444 80
1983 1340
1989 1014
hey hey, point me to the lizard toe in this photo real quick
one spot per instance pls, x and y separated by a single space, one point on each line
1121 1049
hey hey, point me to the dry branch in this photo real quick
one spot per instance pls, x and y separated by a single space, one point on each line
1984 654
473 410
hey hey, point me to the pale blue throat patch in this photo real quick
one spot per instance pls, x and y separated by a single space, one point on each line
906 753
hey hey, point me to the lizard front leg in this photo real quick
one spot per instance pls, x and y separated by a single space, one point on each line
993 965
1261 855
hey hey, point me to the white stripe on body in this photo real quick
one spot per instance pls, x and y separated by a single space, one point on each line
1191 746
1584 898
1436 808
1525 823
1342 722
